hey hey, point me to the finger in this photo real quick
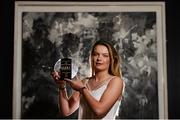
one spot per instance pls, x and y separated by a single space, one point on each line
67 80
56 77
54 73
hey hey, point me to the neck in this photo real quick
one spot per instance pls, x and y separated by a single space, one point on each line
101 76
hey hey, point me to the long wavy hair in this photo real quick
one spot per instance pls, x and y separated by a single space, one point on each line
115 60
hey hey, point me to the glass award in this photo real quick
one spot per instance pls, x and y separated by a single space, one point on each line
66 67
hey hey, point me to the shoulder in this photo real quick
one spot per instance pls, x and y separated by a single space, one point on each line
116 81
116 78
115 86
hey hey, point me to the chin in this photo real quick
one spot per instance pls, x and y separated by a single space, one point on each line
100 68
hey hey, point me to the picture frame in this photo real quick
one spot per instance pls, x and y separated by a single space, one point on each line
144 62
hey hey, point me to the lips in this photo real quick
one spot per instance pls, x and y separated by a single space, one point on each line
99 63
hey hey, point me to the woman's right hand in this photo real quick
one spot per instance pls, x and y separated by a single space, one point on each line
56 76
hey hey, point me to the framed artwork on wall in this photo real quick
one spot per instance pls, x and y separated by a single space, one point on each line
45 32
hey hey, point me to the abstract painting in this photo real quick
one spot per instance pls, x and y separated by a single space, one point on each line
48 31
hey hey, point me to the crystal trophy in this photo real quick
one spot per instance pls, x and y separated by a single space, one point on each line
66 68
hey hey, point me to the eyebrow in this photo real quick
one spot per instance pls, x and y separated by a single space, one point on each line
101 53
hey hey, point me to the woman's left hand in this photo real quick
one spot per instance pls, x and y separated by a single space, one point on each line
75 84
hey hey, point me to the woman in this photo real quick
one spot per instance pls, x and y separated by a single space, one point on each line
97 97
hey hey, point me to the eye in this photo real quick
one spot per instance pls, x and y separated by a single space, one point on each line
94 54
105 55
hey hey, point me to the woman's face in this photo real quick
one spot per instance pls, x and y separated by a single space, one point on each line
101 58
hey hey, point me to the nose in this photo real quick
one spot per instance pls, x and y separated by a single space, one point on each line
99 57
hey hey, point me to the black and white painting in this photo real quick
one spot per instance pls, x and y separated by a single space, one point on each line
45 33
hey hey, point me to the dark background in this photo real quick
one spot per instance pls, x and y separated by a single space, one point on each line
6 57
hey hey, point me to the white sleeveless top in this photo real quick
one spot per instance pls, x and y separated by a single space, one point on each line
85 111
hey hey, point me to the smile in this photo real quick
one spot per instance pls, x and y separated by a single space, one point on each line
99 63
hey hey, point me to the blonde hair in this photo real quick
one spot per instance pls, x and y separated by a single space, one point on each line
115 60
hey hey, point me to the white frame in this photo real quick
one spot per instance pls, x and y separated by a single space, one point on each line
158 7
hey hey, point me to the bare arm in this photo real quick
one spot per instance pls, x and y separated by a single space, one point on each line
107 100
68 105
